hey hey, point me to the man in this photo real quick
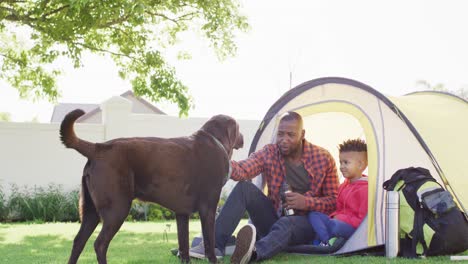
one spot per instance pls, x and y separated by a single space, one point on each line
310 171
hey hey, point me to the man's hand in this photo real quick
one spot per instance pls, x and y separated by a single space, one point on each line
295 201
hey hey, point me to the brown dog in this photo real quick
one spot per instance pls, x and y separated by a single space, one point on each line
184 174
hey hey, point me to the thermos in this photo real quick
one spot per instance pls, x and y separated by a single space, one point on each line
284 190
392 224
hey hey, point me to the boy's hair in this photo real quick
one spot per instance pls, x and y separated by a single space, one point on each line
357 145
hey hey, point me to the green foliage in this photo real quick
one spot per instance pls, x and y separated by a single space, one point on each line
3 205
145 211
440 87
5 116
40 204
134 33
53 204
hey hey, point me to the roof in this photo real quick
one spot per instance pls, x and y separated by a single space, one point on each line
61 109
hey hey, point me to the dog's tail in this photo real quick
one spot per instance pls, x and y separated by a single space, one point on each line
69 138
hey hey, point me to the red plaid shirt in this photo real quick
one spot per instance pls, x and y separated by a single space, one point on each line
323 178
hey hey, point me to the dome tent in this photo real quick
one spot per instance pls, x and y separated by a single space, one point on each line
422 129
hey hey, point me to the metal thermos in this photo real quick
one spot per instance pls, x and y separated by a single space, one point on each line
286 189
392 224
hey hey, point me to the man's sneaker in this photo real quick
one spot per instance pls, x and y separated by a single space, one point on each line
198 252
244 245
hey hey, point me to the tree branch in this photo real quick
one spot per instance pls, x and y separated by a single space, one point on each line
184 17
45 3
116 21
11 1
12 16
103 50
44 16
163 16
176 20
13 59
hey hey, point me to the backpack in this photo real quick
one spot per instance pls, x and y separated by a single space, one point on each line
438 226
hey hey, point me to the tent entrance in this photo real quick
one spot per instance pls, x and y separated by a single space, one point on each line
424 129
327 124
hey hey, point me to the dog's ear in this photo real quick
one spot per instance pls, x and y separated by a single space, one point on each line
236 139
239 141
226 130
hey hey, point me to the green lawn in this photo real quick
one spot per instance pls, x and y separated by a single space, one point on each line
134 243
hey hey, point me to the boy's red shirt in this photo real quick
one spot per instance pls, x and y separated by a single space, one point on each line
351 204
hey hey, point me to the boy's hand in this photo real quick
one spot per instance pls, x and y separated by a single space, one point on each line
295 201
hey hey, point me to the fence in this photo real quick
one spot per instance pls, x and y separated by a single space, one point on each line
32 154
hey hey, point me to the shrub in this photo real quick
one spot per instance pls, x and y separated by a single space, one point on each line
41 204
3 206
52 204
70 211
145 211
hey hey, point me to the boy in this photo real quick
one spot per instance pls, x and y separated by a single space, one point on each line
351 207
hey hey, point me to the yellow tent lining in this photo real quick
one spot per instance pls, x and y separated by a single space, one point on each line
432 115
372 152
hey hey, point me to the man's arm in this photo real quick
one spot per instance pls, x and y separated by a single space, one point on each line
248 168
327 202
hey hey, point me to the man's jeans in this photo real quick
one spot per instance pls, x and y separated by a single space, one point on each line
274 234
327 227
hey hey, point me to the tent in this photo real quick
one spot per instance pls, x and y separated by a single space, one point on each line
422 129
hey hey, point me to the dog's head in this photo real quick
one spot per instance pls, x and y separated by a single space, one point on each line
226 130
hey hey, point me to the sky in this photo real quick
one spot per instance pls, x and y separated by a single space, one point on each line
389 45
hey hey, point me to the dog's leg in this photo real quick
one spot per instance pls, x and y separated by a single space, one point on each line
112 219
207 217
89 221
183 237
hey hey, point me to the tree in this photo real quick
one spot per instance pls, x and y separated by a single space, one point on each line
461 92
5 116
134 33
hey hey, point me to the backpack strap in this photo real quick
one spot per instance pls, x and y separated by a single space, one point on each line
408 175
413 179
418 232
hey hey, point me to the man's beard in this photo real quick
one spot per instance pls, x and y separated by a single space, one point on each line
290 151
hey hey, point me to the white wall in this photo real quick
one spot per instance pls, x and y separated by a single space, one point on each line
32 154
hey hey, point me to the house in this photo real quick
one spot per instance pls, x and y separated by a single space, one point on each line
94 113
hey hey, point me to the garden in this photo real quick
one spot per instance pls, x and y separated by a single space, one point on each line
38 226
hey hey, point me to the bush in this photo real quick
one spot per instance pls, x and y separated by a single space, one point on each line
145 211
3 205
41 204
52 204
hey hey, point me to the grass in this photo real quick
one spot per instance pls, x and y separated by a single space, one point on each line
142 242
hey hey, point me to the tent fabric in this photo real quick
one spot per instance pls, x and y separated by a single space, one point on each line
400 132
442 121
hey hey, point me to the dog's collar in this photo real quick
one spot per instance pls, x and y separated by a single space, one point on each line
228 175
217 142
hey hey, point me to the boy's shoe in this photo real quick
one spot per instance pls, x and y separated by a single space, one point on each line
198 252
244 245
324 244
